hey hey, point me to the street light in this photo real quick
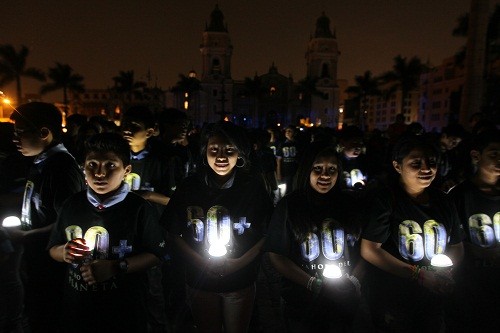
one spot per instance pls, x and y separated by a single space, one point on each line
4 100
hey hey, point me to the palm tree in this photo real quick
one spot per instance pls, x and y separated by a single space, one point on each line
306 89
62 77
187 86
127 87
366 86
13 67
405 76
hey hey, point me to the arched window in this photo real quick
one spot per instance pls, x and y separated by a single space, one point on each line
216 65
325 71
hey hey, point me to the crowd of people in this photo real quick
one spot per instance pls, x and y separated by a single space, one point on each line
156 226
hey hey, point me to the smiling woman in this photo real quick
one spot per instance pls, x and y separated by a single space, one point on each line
217 219
408 224
313 241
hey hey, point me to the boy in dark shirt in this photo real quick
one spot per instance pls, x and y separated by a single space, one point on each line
151 177
53 177
478 203
150 170
110 244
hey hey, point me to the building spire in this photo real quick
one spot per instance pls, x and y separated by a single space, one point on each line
216 21
323 27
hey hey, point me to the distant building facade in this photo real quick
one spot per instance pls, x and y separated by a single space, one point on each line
441 90
263 100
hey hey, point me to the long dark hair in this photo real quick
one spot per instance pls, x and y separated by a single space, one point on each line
299 212
315 151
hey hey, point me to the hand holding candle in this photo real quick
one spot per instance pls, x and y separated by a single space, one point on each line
439 280
75 251
335 285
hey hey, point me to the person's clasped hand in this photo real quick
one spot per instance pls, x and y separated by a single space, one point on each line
75 251
438 282
339 289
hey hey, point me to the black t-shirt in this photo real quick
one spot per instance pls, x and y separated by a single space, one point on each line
334 239
125 229
290 155
153 173
479 215
410 232
48 185
236 216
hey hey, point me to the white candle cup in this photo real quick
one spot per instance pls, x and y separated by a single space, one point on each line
441 263
217 250
332 271
11 222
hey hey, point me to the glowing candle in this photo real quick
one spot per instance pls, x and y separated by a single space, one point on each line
332 271
217 250
11 221
441 261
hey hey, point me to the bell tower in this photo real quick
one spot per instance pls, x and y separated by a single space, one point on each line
216 82
322 51
322 56
216 49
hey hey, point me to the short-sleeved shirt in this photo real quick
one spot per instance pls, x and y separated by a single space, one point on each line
332 241
234 217
125 229
53 178
410 232
479 215
290 157
153 173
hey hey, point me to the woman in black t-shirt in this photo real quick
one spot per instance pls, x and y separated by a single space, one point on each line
217 220
312 231
407 225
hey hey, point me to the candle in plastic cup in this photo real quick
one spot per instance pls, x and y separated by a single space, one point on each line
332 271
441 261
11 221
217 250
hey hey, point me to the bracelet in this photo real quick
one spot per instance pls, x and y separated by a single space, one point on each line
316 286
420 278
415 272
355 282
310 282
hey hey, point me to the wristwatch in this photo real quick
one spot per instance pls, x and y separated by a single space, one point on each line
123 265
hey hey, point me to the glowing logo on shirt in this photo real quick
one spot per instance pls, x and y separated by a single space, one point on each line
330 243
133 180
26 209
289 151
218 228
96 239
484 232
411 242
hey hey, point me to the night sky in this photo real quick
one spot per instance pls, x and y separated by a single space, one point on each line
98 38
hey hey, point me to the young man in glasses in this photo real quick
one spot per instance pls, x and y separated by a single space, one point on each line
53 177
